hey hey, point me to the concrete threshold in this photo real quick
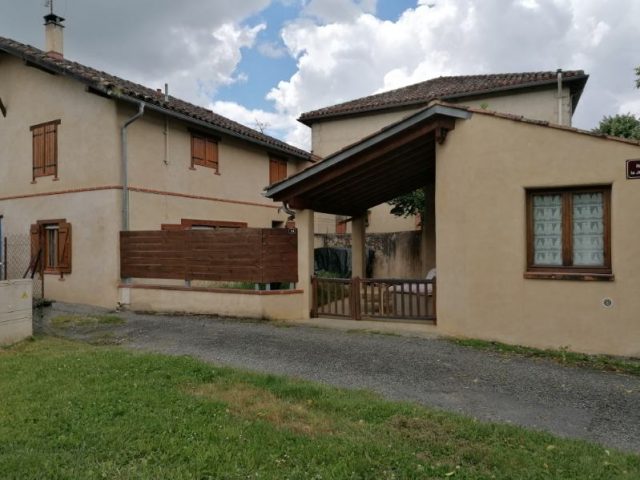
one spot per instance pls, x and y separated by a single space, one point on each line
391 327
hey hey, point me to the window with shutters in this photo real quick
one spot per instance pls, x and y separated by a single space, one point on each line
277 169
204 151
45 149
569 231
51 246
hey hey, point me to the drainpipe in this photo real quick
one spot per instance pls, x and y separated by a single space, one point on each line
559 96
125 160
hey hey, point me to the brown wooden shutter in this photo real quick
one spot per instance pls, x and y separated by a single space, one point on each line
282 173
38 152
277 169
64 247
273 170
50 149
197 150
211 153
35 241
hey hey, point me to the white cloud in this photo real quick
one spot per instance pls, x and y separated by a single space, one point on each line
194 45
338 10
354 54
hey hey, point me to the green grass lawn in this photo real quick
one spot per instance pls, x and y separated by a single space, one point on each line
72 410
608 363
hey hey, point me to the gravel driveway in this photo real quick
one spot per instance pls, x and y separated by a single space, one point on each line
574 402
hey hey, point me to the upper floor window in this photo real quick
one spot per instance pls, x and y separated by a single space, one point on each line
569 230
45 149
204 151
277 169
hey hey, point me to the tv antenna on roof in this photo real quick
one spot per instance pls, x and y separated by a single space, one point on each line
49 4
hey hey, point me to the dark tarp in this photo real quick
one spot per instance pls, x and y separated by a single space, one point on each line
337 261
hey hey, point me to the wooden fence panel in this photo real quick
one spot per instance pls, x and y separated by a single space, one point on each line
280 255
243 255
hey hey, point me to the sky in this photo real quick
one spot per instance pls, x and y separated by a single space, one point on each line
264 62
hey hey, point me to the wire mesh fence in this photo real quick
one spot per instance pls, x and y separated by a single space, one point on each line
17 260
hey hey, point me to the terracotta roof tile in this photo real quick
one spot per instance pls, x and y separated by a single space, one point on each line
445 88
106 82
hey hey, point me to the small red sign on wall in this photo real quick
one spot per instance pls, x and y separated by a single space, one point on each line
633 168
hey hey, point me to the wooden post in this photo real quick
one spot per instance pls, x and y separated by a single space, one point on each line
4 253
435 314
314 297
355 299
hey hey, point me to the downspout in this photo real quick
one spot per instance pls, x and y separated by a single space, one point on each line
125 165
559 96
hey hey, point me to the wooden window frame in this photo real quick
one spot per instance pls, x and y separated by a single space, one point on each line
189 223
276 165
44 168
204 162
62 266
567 271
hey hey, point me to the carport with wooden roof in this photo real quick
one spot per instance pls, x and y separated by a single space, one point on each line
396 160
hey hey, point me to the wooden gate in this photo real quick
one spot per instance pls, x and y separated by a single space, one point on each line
385 298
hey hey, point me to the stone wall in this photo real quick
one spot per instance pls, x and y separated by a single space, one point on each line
396 255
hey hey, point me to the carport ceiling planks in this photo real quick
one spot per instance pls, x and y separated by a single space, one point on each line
392 162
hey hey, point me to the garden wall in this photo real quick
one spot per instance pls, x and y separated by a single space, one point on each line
268 305
15 310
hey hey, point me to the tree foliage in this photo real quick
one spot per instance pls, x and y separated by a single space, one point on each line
627 126
408 204
637 77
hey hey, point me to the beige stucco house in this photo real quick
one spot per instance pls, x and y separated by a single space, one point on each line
86 154
532 224
545 96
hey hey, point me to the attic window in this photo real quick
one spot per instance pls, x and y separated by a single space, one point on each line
277 169
204 151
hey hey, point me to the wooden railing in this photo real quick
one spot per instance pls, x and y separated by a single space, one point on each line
390 298
332 297
398 298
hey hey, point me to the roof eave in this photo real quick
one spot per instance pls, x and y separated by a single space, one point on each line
53 68
578 80
274 191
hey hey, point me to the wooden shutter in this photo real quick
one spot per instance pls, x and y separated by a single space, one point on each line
45 149
277 169
197 150
211 153
51 149
273 170
64 247
38 151
35 242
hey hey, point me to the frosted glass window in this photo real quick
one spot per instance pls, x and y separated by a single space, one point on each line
588 229
547 229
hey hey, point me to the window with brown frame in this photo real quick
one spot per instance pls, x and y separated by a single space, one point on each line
569 232
45 149
204 151
277 169
194 224
51 246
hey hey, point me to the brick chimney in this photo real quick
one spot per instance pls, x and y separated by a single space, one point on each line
54 37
